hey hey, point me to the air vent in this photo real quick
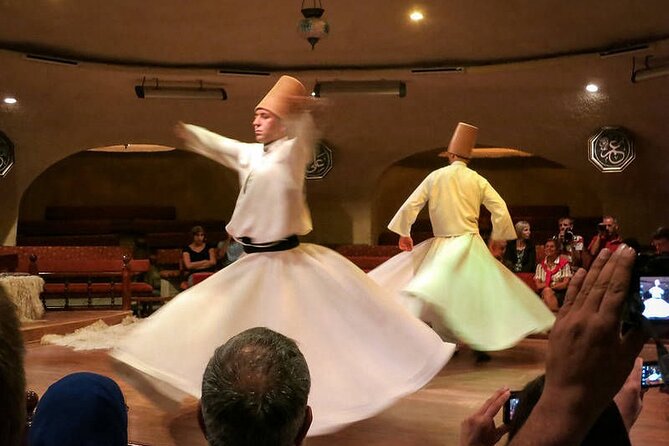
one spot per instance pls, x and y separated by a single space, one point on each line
438 70
234 72
51 60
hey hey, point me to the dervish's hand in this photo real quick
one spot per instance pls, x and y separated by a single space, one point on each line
479 428
181 131
405 243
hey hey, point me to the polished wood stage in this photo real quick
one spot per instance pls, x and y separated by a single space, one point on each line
430 417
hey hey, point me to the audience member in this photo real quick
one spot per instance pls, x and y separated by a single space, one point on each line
585 341
198 257
569 244
228 251
610 428
608 236
255 390
552 276
660 241
479 429
520 253
81 409
12 375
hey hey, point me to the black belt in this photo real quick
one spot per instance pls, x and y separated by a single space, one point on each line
279 245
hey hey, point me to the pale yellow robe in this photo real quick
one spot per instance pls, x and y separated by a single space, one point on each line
462 289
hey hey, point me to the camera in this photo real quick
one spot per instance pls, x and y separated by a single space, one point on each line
510 406
649 290
601 227
651 375
567 237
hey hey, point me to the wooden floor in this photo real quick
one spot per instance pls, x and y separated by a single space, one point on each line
429 417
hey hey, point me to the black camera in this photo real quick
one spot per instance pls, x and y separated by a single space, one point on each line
567 237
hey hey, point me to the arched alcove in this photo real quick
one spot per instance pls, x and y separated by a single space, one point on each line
198 187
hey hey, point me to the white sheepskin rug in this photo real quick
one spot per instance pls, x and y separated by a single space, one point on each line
95 336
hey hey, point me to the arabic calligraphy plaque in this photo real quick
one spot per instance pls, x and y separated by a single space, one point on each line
611 149
6 154
322 163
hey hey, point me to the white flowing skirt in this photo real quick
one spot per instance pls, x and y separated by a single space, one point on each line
364 350
461 289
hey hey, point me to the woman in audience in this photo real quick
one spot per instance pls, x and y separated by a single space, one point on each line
552 276
198 257
520 253
82 409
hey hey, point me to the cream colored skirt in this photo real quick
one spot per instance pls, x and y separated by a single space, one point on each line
364 350
461 289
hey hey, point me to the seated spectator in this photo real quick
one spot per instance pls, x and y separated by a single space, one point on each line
660 241
608 236
12 375
552 276
198 257
255 390
569 244
228 251
81 409
520 253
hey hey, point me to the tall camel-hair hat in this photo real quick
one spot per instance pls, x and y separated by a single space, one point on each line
463 141
281 98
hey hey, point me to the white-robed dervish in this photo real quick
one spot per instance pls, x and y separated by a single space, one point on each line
452 280
364 350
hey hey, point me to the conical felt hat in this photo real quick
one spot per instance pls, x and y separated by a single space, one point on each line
280 99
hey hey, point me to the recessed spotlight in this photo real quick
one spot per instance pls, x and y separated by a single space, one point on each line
10 100
592 88
416 16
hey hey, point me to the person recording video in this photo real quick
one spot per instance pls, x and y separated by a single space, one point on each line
569 244
608 236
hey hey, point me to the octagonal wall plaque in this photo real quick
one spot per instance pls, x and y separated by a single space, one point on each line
6 154
322 163
611 149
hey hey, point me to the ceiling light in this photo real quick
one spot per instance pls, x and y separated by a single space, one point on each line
592 88
158 91
416 16
10 100
387 88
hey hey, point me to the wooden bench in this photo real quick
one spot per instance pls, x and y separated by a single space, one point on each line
78 275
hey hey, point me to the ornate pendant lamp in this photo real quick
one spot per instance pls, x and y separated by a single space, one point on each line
312 27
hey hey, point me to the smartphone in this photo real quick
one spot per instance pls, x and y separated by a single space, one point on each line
510 406
651 375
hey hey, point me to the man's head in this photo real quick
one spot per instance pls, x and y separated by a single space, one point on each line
277 105
566 223
255 390
660 241
610 224
267 126
462 143
12 375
